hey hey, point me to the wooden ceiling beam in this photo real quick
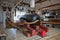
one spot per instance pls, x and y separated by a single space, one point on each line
51 5
23 3
17 4
40 1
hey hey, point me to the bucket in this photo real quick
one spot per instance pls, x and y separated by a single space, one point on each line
11 33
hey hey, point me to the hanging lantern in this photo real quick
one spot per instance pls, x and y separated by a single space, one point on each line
4 8
32 3
9 8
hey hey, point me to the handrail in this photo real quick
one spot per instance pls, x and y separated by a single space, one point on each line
31 22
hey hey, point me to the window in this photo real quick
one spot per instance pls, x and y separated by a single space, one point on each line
19 14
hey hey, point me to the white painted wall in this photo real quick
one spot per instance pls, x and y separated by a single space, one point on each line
1 16
4 20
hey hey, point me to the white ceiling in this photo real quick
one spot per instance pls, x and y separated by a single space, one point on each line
38 5
9 2
13 2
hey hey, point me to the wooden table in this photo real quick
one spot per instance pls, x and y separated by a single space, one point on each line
49 22
2 35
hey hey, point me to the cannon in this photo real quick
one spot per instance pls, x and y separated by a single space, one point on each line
33 25
33 19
